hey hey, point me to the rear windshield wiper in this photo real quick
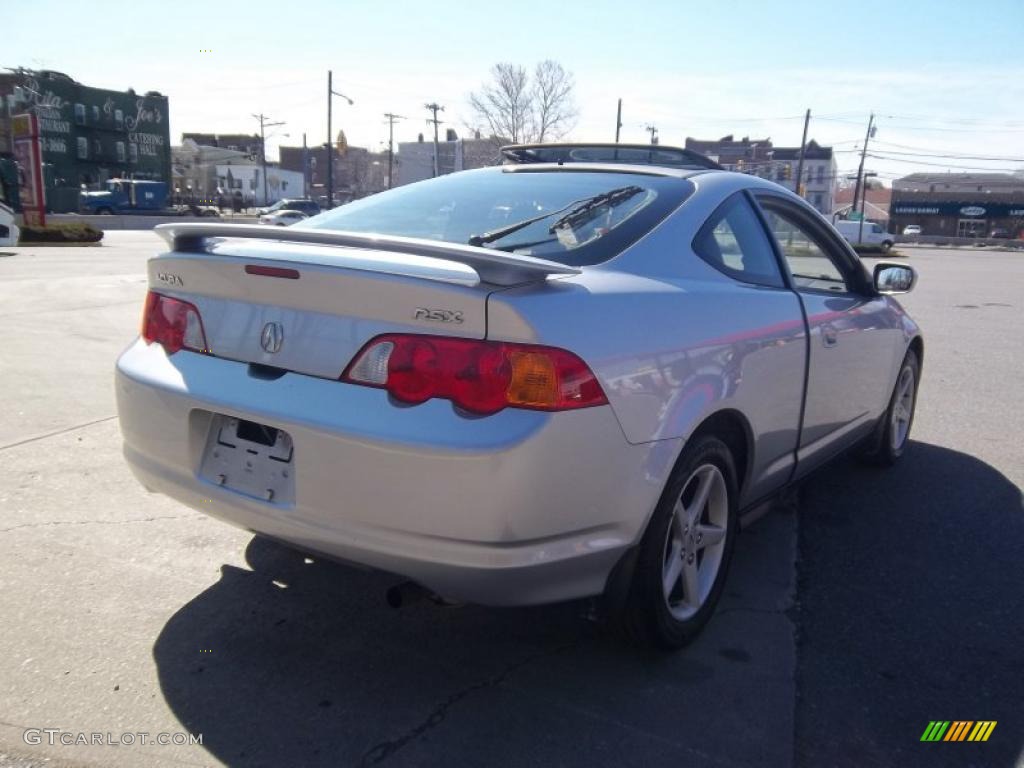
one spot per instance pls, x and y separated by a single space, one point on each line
610 198
576 209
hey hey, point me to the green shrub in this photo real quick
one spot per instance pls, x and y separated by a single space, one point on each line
61 232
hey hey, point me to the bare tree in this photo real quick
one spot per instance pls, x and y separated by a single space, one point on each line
554 109
505 103
523 110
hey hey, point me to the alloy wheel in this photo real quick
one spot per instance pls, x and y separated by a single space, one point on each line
695 541
903 408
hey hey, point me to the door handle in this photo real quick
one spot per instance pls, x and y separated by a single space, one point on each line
829 337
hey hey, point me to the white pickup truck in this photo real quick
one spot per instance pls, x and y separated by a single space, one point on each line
9 231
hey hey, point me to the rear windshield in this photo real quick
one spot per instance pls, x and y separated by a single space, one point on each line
578 217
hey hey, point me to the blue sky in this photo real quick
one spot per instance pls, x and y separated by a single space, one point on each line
945 77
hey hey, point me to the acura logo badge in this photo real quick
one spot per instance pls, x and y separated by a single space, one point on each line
272 337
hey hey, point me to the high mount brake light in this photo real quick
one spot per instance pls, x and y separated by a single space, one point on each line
478 376
173 324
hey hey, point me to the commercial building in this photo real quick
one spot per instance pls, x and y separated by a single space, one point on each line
760 157
87 135
959 204
415 159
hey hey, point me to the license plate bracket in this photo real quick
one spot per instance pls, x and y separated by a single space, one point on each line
250 458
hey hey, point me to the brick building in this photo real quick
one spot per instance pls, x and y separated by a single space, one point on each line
87 134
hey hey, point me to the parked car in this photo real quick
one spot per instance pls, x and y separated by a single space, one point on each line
999 233
870 234
521 384
912 229
308 207
283 218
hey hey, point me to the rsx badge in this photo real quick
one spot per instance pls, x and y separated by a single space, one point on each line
437 315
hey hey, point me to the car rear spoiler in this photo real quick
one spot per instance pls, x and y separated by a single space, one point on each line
497 267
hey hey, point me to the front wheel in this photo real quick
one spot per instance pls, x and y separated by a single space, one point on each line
886 246
685 552
891 443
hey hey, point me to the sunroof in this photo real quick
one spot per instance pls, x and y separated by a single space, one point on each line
631 154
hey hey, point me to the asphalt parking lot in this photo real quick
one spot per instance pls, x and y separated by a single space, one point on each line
886 599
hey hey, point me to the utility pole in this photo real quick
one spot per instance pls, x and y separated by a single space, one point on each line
330 139
860 173
654 133
800 161
305 167
618 121
435 108
263 148
391 141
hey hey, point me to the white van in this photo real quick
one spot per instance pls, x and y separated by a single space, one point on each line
873 235
8 229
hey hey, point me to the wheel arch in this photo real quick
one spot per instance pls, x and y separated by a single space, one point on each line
732 428
917 347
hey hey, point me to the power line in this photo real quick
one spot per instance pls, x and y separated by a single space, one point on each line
944 165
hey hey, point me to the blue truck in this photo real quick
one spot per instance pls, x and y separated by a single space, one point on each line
127 196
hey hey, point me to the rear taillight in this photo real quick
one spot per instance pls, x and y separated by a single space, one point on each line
173 324
478 376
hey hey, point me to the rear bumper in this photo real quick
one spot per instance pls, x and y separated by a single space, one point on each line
517 508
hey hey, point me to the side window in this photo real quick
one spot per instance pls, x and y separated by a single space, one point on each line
733 241
809 262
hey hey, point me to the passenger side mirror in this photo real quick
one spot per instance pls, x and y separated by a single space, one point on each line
893 278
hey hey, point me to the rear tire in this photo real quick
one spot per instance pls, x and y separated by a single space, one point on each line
886 246
685 552
890 442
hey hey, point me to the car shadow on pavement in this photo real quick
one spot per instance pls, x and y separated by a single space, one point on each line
299 661
910 606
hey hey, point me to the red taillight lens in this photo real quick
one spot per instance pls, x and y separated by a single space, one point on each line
173 324
478 376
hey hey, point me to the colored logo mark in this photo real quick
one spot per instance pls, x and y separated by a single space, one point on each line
958 730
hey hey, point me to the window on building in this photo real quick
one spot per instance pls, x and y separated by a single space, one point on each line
133 152
83 148
95 113
821 174
780 173
119 118
120 152
97 147
817 200
80 114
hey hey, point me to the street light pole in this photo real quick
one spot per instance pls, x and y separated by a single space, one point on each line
330 140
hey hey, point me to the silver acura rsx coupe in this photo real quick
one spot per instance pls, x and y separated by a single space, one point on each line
562 377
